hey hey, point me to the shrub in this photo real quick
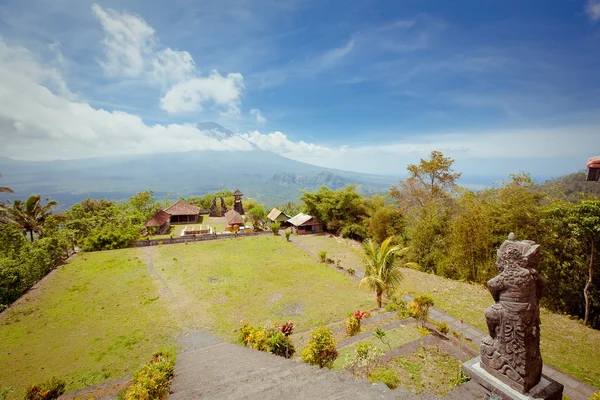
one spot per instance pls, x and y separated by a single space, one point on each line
389 376
395 304
153 380
275 227
420 308
364 359
288 233
270 338
49 390
443 328
323 256
380 334
353 322
329 260
351 271
321 349
423 331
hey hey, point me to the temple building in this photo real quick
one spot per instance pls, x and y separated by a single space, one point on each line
237 203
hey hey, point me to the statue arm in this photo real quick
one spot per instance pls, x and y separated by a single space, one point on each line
496 286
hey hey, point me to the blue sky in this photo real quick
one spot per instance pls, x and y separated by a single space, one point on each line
370 86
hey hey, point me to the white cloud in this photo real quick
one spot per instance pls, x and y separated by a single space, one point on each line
131 51
39 123
259 117
278 142
593 9
332 56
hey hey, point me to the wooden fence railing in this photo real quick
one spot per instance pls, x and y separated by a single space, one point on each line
197 238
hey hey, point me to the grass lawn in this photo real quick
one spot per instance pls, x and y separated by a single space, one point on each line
428 369
565 343
103 315
97 318
336 248
395 337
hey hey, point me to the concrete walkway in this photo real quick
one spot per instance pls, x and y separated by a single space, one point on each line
574 388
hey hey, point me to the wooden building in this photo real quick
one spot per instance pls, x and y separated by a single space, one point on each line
278 216
237 202
233 219
303 223
159 223
183 212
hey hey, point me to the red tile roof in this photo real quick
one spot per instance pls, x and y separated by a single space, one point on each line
233 218
182 208
238 193
158 219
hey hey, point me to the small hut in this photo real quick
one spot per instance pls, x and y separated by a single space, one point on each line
278 216
233 219
304 223
159 223
183 212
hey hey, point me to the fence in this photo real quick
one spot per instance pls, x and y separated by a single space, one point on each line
198 238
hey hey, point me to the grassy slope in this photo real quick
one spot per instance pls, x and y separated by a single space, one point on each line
93 319
260 279
566 344
103 314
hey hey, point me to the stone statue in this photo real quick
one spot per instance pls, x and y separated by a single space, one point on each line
511 352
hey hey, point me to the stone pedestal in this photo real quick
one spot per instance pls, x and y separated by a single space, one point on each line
495 389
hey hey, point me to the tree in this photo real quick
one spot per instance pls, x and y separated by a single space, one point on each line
386 222
257 216
428 180
585 222
31 214
5 189
144 204
382 272
290 208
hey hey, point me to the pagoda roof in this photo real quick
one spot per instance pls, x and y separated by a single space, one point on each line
233 218
182 208
158 219
238 193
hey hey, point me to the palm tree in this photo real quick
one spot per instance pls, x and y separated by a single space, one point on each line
5 189
382 272
30 215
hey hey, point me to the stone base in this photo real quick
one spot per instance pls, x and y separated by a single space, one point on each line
494 389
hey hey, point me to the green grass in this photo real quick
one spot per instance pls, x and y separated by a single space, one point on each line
565 343
336 248
428 369
104 314
256 280
96 318
395 337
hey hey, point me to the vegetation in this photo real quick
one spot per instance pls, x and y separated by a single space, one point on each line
353 322
429 369
275 227
153 380
29 215
382 273
270 338
321 349
419 308
49 390
364 359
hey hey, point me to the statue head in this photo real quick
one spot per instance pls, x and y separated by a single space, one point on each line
513 253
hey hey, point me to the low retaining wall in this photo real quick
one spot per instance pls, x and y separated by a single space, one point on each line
198 238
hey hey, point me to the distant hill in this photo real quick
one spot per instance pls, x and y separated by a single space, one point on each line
265 176
573 187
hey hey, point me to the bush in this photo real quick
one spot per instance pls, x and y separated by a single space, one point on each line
270 338
110 238
395 304
420 308
275 227
321 349
288 233
323 256
364 359
351 271
353 322
49 390
443 328
389 376
153 380
423 331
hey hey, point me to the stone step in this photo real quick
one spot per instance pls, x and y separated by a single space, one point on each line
228 371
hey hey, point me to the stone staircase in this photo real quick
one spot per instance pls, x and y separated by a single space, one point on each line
229 371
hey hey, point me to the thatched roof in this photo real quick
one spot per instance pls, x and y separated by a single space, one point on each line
233 218
182 208
158 219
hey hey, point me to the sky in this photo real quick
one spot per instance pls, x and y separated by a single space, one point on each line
368 86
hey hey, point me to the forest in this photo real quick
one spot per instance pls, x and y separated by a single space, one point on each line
451 231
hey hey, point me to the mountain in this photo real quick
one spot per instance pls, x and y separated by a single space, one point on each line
572 187
265 176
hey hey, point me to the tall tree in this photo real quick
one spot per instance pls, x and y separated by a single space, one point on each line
585 222
31 214
382 271
430 179
5 189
